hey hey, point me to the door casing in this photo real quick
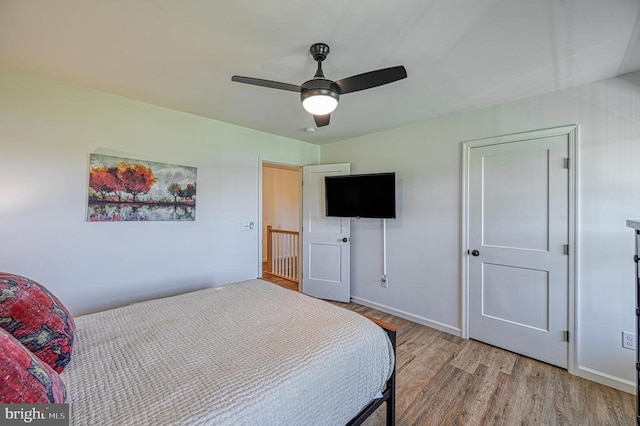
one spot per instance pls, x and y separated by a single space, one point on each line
262 162
571 132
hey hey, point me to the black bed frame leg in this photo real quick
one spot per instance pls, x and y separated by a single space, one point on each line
391 385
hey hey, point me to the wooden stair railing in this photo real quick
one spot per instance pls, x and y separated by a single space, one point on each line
282 253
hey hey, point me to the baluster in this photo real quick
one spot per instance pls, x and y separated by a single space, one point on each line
295 257
279 251
269 248
291 256
280 248
289 266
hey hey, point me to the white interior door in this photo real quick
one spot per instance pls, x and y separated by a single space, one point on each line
325 240
518 242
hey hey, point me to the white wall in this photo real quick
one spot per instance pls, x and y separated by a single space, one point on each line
424 251
48 129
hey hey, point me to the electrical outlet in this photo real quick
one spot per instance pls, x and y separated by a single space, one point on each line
384 281
628 340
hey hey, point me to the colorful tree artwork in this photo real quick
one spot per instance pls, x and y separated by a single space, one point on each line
133 190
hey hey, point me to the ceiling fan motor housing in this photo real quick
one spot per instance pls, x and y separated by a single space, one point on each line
319 86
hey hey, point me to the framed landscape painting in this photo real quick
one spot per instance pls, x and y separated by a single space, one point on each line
122 189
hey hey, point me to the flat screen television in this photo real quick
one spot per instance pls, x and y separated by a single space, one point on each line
365 195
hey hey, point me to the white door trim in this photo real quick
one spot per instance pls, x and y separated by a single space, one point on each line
571 132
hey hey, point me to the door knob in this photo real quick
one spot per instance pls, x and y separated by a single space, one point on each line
345 239
475 253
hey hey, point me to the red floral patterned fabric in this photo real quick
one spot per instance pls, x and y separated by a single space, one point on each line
24 378
37 319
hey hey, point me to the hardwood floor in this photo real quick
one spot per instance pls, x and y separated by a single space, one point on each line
446 380
280 281
277 280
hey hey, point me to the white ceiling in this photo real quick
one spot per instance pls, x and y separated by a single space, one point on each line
459 54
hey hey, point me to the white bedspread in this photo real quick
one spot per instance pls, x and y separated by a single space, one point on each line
248 353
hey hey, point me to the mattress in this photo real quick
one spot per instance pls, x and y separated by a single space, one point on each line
248 353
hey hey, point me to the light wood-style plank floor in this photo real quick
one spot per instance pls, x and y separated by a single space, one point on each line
291 285
445 380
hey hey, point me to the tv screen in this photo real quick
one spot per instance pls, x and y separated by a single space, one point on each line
370 195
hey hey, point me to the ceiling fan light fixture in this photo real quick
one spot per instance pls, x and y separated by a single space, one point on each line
319 101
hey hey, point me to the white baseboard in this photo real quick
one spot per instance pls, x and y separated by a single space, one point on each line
408 316
607 380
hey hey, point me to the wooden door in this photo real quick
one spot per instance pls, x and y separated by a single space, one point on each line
518 246
325 240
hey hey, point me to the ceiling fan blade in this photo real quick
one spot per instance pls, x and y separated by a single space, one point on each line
266 83
322 120
371 79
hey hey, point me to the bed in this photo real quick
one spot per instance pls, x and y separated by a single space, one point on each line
245 353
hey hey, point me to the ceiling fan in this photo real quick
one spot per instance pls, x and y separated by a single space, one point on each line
319 95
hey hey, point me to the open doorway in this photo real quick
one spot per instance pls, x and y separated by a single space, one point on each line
281 195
